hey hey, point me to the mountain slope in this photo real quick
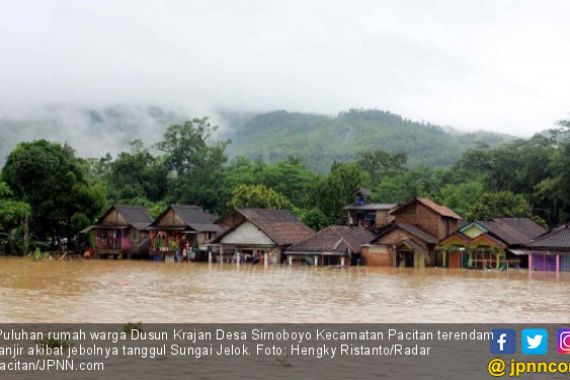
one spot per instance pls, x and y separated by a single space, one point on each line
321 139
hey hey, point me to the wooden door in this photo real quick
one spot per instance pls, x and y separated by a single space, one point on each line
455 260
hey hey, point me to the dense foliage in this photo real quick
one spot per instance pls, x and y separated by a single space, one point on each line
49 178
321 140
49 194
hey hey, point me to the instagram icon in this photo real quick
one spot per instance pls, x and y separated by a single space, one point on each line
563 341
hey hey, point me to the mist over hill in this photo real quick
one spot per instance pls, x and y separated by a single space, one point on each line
92 132
318 139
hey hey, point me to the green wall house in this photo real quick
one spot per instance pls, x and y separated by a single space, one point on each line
489 245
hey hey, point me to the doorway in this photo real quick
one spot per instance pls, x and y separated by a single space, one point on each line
405 257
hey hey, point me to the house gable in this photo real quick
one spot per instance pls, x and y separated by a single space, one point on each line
398 235
485 240
113 217
418 214
455 239
247 234
169 219
473 230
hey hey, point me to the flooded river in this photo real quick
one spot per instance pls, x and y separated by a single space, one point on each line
139 291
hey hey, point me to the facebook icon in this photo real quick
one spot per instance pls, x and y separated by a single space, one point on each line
504 342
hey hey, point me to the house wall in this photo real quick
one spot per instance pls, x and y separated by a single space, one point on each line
383 218
377 256
203 237
543 262
274 254
396 236
418 214
124 241
247 234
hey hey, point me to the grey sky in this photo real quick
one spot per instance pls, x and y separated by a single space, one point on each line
495 65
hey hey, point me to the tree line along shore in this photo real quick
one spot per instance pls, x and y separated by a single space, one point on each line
48 195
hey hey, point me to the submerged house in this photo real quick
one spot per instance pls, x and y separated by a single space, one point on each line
182 232
494 244
258 235
368 215
120 231
333 245
411 239
550 251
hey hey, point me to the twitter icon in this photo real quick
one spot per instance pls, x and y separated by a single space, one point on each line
534 341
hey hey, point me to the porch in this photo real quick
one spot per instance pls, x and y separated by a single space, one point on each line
549 261
111 241
244 254
317 258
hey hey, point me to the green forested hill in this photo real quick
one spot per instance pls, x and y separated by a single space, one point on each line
321 139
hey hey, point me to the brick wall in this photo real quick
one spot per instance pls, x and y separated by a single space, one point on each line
420 215
377 256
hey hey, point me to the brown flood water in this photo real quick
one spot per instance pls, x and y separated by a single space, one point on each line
139 291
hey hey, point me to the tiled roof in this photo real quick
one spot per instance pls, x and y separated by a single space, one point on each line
441 210
279 225
514 231
335 239
557 238
418 232
411 229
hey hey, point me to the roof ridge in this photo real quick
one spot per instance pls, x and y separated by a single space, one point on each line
551 233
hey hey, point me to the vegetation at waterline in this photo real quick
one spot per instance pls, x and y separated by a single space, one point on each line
48 194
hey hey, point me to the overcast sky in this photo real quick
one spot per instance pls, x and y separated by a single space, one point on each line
495 65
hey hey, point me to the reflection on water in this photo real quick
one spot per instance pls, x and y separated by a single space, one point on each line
121 291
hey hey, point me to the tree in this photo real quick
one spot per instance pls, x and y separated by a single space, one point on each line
421 182
14 216
186 145
331 193
379 163
53 182
502 204
289 177
258 196
137 174
460 197
197 165
314 218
